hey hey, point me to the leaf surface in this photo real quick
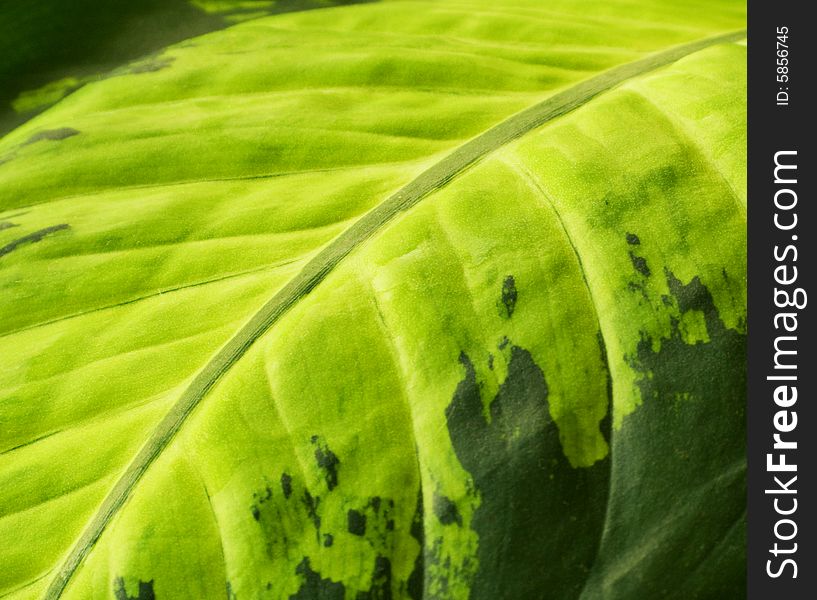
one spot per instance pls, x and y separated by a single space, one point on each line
51 48
439 300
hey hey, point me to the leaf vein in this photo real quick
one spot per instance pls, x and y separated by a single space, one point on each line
317 269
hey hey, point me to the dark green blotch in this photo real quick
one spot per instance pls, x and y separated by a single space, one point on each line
7 225
533 503
32 238
640 264
633 240
381 581
230 593
314 587
446 511
693 369
259 500
311 503
440 571
53 135
328 540
327 461
356 522
509 296
638 287
145 590
606 424
286 485
690 435
416 581
694 296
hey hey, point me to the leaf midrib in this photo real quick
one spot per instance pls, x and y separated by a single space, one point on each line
330 256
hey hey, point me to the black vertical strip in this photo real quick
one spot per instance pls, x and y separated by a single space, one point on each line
781 98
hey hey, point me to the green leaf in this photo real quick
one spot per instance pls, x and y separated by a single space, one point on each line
399 300
51 48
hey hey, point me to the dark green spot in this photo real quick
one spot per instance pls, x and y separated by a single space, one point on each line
693 369
381 581
632 239
314 587
532 502
286 485
446 511
640 264
328 540
311 503
259 499
509 297
327 461
145 590
356 522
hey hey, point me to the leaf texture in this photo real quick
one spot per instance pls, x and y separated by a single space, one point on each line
400 300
